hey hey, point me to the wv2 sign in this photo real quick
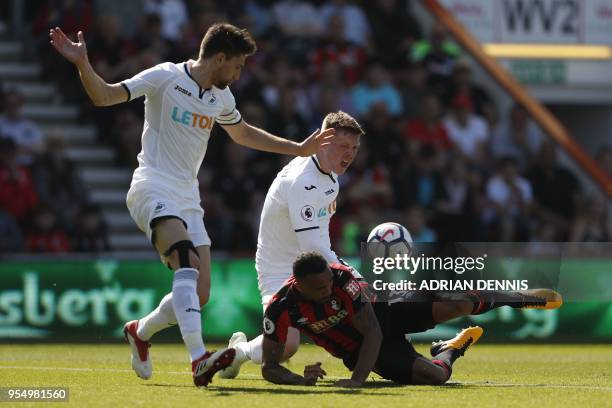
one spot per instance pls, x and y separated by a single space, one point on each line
548 21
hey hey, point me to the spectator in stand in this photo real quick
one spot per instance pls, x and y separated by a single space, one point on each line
384 142
456 210
356 26
461 83
329 93
427 129
510 197
260 17
173 16
300 26
285 119
11 238
110 52
128 132
419 181
237 186
468 132
72 16
334 48
394 31
24 132
377 88
556 191
412 84
296 18
438 55
416 223
594 224
518 137
45 234
91 233
150 38
366 185
17 193
57 181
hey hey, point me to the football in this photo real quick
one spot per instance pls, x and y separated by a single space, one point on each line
388 240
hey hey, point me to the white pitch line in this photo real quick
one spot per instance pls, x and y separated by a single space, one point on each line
254 376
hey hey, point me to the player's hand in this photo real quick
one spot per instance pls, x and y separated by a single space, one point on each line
73 52
347 383
315 142
312 373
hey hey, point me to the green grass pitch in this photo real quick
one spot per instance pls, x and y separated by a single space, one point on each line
489 375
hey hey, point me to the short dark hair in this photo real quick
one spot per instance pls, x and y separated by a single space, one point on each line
309 263
228 39
342 121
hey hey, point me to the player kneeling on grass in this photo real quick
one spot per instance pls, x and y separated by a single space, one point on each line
328 305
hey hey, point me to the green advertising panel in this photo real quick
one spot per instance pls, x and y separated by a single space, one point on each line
91 300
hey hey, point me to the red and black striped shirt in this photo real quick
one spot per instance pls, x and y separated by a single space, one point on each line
329 325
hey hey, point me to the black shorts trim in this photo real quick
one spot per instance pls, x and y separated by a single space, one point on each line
155 221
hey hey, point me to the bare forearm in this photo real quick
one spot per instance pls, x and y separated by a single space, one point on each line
259 139
278 374
98 90
367 357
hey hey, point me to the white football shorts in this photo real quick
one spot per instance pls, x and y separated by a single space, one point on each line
147 200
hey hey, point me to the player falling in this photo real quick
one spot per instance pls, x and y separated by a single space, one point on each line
328 305
182 102
295 219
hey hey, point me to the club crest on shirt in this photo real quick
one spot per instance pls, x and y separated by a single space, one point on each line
159 207
212 99
307 212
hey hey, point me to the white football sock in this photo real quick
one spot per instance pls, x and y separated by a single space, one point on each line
161 318
187 310
253 349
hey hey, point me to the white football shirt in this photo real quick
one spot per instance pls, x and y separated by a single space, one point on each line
295 217
179 116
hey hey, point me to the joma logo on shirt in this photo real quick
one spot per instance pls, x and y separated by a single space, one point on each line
331 321
182 90
192 119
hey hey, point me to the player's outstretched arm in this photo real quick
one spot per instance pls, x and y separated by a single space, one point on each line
272 371
255 138
366 323
100 92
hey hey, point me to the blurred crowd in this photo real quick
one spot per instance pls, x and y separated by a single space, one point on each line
439 155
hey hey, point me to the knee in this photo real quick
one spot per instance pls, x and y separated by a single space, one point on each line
182 254
438 378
